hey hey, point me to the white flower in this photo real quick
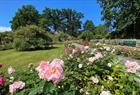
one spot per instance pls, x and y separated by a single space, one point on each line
12 79
91 59
109 64
70 56
113 51
80 65
87 93
110 78
94 79
107 48
11 70
78 59
105 93
81 90
82 51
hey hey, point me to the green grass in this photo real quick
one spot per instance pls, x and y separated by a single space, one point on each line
19 60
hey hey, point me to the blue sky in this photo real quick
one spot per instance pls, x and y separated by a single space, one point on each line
90 8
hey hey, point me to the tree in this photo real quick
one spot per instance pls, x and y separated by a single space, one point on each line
86 35
88 25
65 20
51 19
72 22
101 31
123 16
27 15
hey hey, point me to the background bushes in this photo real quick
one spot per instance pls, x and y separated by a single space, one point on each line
6 40
31 37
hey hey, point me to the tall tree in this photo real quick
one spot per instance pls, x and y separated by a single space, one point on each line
101 31
66 20
123 16
72 21
27 15
88 25
51 19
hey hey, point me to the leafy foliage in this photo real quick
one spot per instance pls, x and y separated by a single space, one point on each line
63 37
27 15
88 25
122 16
108 71
101 32
82 75
31 38
86 35
6 39
65 20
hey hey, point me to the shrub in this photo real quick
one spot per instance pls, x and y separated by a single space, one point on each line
96 71
6 40
31 38
63 37
86 35
82 71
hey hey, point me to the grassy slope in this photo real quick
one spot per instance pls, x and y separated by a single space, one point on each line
21 59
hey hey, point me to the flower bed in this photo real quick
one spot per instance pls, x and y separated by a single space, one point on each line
82 71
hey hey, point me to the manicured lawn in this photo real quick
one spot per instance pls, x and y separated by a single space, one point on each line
19 60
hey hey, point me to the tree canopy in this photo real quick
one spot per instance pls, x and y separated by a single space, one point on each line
88 25
64 20
123 16
27 15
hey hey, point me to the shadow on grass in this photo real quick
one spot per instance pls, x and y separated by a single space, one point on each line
39 49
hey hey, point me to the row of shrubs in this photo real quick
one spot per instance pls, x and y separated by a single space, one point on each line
30 37
33 37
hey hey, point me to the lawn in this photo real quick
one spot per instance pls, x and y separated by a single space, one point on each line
18 59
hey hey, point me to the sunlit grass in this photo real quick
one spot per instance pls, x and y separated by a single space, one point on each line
19 60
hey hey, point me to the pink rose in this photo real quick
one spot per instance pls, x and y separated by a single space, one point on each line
65 51
91 59
16 85
132 67
74 50
2 81
98 55
86 47
11 70
58 62
51 72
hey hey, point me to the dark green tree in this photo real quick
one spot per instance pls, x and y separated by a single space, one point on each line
27 15
88 25
51 19
65 20
101 31
123 16
72 20
86 35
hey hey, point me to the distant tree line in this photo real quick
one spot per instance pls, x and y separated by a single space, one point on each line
32 30
57 20
60 20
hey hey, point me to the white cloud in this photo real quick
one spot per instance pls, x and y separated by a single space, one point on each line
3 29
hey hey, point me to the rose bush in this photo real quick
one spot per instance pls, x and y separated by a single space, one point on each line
99 72
83 71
